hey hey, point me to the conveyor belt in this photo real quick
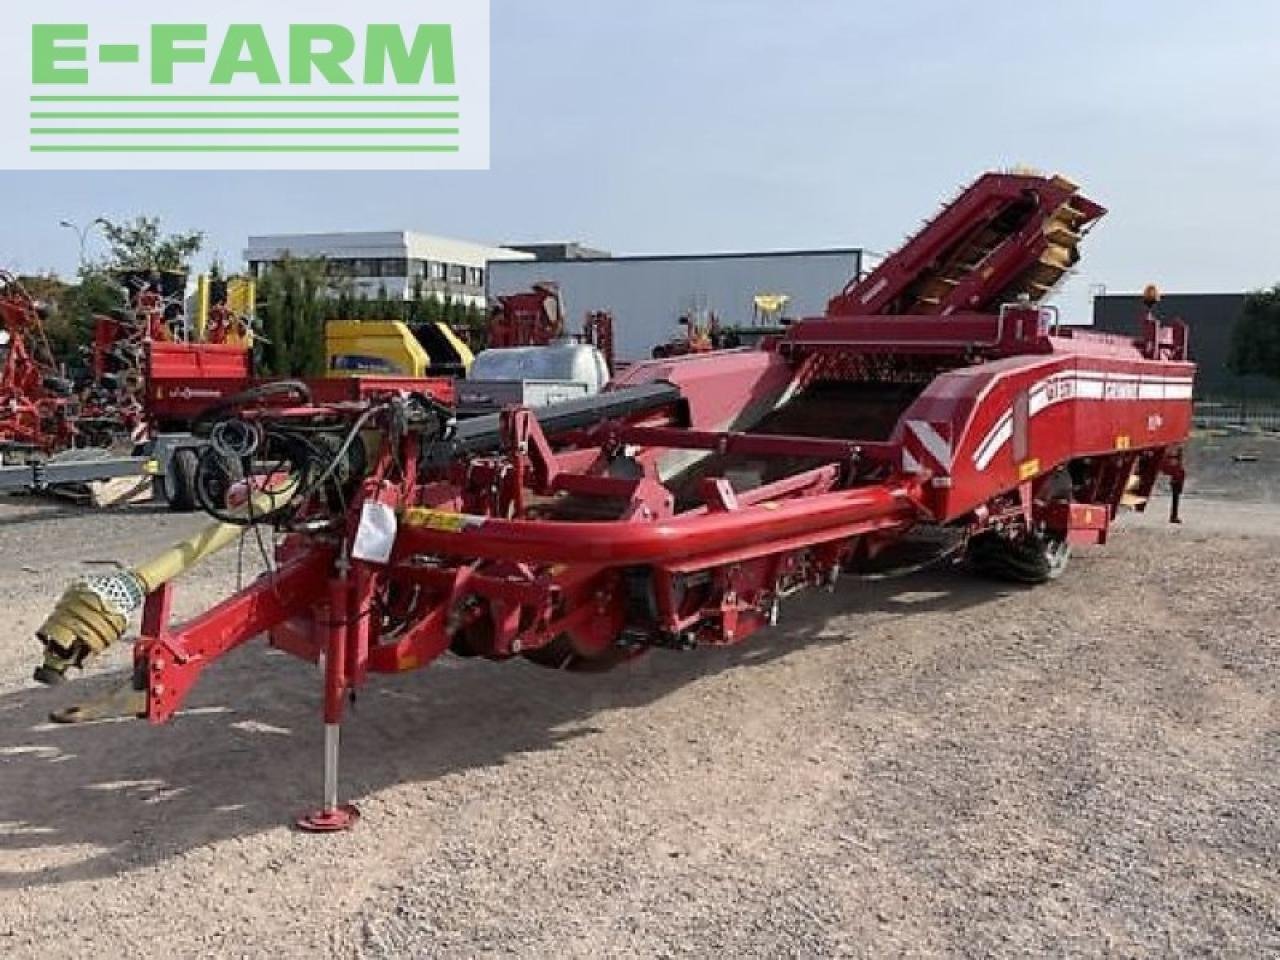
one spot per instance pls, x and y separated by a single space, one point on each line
483 434
1005 236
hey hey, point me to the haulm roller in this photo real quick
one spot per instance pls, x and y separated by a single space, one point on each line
683 505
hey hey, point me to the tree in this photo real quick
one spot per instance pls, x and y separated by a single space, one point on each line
429 308
453 311
68 323
59 327
1255 340
293 303
140 244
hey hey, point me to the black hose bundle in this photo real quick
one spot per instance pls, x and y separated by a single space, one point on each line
299 462
298 457
314 460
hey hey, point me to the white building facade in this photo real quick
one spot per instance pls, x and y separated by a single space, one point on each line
395 263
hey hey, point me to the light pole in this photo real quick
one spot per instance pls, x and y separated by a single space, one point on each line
82 232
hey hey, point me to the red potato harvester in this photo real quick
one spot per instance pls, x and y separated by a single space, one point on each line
682 505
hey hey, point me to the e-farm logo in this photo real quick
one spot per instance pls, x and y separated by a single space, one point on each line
400 85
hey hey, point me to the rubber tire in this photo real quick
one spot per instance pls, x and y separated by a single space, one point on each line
1032 560
180 480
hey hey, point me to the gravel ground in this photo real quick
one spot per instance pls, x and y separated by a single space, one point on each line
935 766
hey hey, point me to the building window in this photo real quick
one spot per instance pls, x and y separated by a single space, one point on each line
435 270
393 267
417 269
475 276
457 273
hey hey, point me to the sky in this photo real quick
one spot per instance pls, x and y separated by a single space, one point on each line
727 125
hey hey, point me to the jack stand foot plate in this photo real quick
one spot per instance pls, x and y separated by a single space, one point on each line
329 821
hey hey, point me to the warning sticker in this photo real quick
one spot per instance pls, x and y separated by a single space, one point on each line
442 520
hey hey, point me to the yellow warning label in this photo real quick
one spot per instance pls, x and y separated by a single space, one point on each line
1028 469
1122 442
441 520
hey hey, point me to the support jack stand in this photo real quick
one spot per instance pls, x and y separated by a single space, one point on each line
332 817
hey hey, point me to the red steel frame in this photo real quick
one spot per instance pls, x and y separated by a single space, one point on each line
31 415
484 564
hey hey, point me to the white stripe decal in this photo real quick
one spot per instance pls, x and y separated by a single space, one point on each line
1083 385
993 443
937 447
1038 401
987 449
1090 389
909 463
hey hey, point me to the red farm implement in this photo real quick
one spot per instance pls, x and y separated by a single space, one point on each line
684 504
532 318
63 432
37 405
536 318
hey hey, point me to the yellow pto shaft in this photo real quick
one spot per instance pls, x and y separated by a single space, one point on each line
94 612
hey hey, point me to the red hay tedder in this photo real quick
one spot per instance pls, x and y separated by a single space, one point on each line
685 503
36 403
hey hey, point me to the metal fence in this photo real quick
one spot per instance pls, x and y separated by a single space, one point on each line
1238 415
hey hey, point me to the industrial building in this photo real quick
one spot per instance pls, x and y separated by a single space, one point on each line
648 294
395 263
1211 318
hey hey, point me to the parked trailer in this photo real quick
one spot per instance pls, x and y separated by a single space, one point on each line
682 505
44 475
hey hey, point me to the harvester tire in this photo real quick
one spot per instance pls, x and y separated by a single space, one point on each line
1030 560
180 480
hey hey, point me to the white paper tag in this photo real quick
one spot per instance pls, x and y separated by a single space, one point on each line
376 534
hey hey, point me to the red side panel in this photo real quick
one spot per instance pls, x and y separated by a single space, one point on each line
982 430
172 361
723 390
185 378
